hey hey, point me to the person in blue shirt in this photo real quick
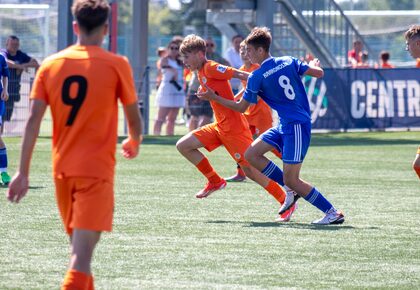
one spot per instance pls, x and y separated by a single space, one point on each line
278 82
4 96
18 62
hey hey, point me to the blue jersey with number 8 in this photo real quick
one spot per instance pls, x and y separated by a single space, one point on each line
278 82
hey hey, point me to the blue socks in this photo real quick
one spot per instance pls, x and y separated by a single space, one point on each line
273 172
315 198
3 159
319 201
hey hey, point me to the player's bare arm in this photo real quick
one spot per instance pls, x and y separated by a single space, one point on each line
20 182
4 93
131 145
209 94
315 69
242 75
12 64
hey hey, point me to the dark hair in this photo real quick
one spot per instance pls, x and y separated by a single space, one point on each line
384 55
259 37
237 36
90 14
14 37
412 32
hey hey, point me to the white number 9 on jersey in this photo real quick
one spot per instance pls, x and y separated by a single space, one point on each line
284 82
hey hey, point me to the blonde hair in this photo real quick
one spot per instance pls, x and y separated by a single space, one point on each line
192 43
412 32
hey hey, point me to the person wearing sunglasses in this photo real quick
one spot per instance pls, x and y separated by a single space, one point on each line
170 96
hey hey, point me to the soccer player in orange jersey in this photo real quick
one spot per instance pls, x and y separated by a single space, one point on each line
412 40
259 116
82 85
229 129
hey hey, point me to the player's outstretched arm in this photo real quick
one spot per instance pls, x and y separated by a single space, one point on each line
315 69
209 94
131 145
242 75
19 185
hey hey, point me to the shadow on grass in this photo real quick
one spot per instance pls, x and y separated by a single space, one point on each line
327 139
303 226
292 225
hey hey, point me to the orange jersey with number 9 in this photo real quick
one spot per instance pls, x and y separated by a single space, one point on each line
82 85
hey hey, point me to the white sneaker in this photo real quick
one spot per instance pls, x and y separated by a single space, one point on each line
291 198
331 218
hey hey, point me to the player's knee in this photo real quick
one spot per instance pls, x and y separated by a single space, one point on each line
180 146
250 155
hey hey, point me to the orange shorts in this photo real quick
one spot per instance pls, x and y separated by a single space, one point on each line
211 137
258 127
85 203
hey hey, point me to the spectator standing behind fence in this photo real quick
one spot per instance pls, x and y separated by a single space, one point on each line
233 57
384 60
170 95
18 61
161 53
412 41
364 60
4 74
354 56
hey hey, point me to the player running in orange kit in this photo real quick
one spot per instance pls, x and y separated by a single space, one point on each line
230 128
412 40
259 116
82 85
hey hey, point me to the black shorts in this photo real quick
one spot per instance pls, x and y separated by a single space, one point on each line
199 107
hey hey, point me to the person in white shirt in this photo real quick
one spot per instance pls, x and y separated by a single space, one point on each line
233 57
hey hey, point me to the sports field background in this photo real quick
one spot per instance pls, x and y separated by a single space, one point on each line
164 238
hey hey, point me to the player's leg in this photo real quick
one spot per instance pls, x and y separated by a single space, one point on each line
193 124
416 163
206 113
237 145
296 145
5 178
79 276
171 118
160 119
86 206
188 146
9 107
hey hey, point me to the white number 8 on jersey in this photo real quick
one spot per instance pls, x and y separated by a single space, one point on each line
284 82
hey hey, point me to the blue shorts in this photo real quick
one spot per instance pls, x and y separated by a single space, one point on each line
292 140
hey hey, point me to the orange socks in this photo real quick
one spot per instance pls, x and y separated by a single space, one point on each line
75 280
91 283
276 191
207 170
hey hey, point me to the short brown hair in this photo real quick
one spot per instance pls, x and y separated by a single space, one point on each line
192 43
412 32
259 37
90 14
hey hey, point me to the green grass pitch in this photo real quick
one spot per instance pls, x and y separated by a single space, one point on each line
164 238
